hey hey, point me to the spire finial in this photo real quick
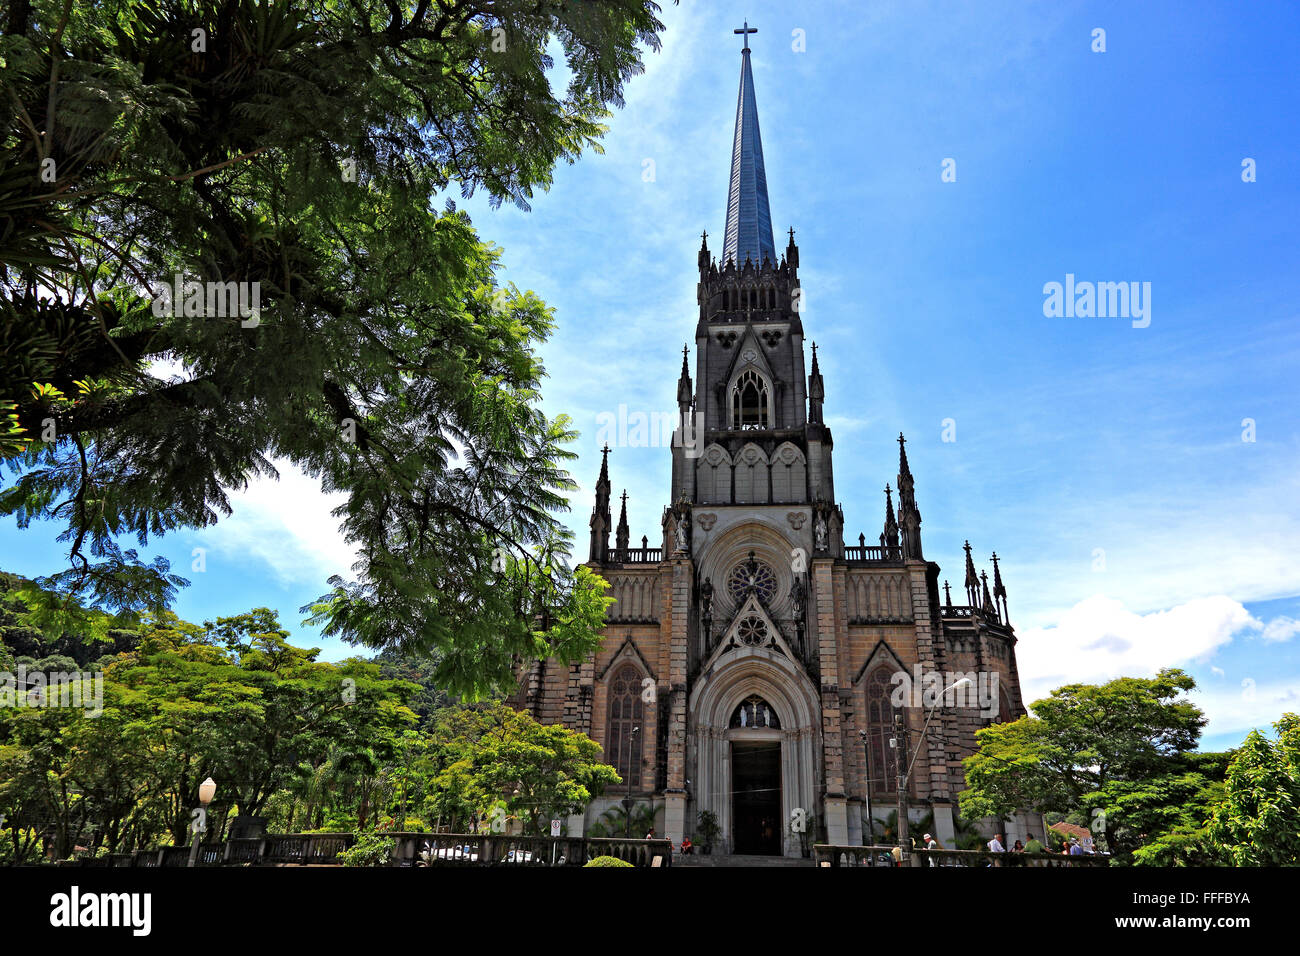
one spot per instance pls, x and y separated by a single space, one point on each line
904 471
1000 592
972 579
684 397
890 536
621 533
745 32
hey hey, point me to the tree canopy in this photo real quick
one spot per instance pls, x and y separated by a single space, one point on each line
1258 823
496 764
1117 752
299 149
304 744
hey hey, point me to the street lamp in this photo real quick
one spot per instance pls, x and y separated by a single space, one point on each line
627 801
207 790
900 743
866 753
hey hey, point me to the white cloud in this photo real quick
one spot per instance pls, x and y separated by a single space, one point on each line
1237 708
286 525
1099 639
1280 629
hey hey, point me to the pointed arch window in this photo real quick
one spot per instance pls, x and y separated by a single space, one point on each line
626 715
882 759
749 401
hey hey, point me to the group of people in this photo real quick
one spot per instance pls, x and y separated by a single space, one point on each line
1070 847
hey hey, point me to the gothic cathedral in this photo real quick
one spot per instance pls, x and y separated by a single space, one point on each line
754 665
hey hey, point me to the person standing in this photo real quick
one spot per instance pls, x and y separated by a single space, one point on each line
995 846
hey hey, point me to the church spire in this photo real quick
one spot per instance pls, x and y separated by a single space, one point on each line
600 519
986 601
749 218
999 590
909 516
890 537
816 390
684 391
972 580
621 537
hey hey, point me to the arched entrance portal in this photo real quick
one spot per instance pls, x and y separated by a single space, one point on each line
754 728
756 778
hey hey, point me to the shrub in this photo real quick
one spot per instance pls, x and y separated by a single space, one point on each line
371 849
607 861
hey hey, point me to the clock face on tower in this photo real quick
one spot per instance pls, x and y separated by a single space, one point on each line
751 576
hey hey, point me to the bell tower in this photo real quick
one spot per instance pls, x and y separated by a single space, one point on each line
764 440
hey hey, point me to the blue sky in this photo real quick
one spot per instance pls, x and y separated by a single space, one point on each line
1104 463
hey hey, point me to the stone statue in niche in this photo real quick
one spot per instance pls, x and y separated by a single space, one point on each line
682 527
820 533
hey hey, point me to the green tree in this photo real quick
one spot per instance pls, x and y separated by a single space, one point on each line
237 702
1173 803
299 147
498 757
1258 823
282 734
1112 751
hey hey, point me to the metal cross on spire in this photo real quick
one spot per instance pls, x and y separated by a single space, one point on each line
745 33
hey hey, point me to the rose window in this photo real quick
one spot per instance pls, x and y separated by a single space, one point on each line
751 576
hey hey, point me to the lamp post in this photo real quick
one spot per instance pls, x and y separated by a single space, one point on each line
207 790
866 789
627 801
900 744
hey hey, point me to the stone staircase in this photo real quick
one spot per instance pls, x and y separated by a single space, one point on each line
736 859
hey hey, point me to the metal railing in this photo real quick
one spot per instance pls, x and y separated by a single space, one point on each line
409 849
831 855
450 849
